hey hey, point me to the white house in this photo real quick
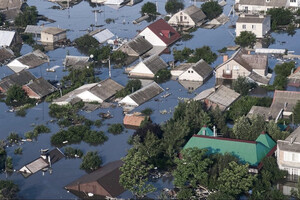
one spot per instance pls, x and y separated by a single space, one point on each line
160 33
199 71
52 35
191 16
142 95
258 24
148 67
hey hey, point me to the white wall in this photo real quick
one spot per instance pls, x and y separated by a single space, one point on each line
141 68
128 101
255 28
190 75
181 18
87 96
152 38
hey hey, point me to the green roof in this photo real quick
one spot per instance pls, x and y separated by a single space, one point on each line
206 131
251 152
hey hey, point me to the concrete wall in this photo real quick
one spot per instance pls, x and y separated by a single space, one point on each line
255 28
141 70
49 38
233 67
152 38
190 75
291 165
87 96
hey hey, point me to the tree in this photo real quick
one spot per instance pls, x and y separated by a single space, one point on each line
115 129
72 152
149 8
91 161
280 16
220 196
8 164
173 6
246 39
191 170
211 9
236 179
131 86
274 131
135 173
162 75
118 56
282 71
8 190
86 41
16 96
28 17
296 112
204 53
242 85
249 128
2 19
183 54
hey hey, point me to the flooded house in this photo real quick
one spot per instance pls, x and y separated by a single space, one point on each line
45 161
221 96
199 71
6 54
20 78
76 62
259 25
38 88
11 8
134 120
160 33
251 152
93 92
189 17
216 22
148 67
102 35
241 63
52 35
100 184
136 47
28 61
33 29
7 38
142 95
294 78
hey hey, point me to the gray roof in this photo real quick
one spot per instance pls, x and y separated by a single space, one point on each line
33 59
271 3
41 87
251 19
258 78
195 13
285 100
183 66
53 30
294 79
223 96
155 63
291 143
107 176
101 35
10 4
248 61
202 68
6 54
106 89
76 61
204 94
11 14
259 110
20 78
140 45
6 37
34 29
146 93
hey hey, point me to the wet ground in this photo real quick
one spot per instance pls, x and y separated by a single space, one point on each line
78 19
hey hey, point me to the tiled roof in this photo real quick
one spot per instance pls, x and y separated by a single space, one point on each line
140 45
20 78
155 63
41 87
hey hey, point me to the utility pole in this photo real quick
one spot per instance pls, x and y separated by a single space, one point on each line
109 67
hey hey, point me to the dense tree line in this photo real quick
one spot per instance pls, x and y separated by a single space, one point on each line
193 56
29 16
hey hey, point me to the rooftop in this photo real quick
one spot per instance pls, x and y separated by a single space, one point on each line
19 78
5 54
6 37
140 45
76 61
271 3
202 68
251 19
291 143
195 13
41 87
155 63
53 30
102 35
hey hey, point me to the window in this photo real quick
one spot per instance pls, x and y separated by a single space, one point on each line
192 71
185 17
291 157
293 1
236 67
244 26
253 27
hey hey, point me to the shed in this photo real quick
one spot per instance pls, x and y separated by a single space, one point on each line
148 67
101 35
52 35
103 182
38 88
7 38
28 61
34 29
142 95
19 78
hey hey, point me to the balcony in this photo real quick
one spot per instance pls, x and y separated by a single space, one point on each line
227 74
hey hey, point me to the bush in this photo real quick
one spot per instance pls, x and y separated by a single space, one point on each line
29 135
16 96
211 9
13 138
115 129
8 190
147 111
91 161
246 39
98 123
204 53
27 17
8 164
162 75
73 152
131 86
18 150
173 6
95 137
149 8
86 41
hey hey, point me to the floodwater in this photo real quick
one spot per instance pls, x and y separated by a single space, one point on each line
77 19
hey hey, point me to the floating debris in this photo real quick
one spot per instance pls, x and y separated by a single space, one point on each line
106 115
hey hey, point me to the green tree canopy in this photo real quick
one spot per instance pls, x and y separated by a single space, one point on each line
162 75
91 161
8 190
211 9
131 86
242 85
149 8
204 53
296 113
173 6
28 17
16 96
86 41
248 128
246 39
236 179
135 173
280 16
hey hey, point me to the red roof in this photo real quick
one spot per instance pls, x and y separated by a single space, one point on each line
164 31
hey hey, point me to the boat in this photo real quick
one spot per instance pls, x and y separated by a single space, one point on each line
52 69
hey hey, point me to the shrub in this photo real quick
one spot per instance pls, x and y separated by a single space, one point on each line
18 150
115 128
149 8
211 9
72 152
91 161
162 75
147 111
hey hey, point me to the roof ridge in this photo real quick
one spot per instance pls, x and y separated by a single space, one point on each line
227 139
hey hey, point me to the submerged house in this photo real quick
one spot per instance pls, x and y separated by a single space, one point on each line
253 66
76 62
11 8
7 38
136 47
259 25
160 33
93 92
148 67
142 95
189 17
251 152
53 34
102 35
20 78
222 97
294 78
45 161
38 88
99 184
28 61
134 121
5 55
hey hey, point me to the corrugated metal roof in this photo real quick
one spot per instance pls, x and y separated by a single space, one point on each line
41 87
34 29
6 37
224 96
103 35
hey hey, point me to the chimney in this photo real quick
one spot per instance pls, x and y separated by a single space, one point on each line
225 57
292 140
215 133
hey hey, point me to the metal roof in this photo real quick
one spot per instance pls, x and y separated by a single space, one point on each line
34 29
6 37
102 35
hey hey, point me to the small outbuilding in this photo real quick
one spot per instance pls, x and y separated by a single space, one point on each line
133 121
52 35
102 35
76 62
38 88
